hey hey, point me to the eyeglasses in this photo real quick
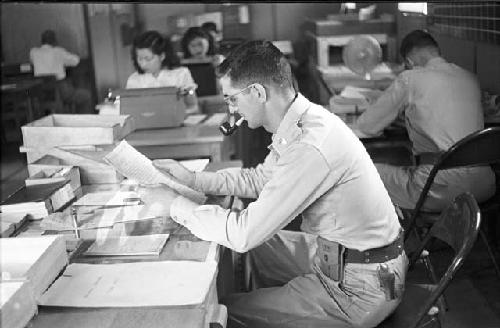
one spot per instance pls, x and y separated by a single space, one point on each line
231 99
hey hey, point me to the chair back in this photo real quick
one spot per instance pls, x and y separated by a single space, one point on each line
458 226
477 149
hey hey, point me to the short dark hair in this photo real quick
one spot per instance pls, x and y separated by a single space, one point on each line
158 45
193 33
417 39
49 37
209 26
257 62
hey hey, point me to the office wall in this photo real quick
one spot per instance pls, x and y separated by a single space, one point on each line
23 23
289 17
108 24
154 16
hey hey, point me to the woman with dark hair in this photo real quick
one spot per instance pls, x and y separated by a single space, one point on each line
196 43
158 66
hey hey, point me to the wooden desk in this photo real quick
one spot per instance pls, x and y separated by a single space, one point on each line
181 245
19 106
200 141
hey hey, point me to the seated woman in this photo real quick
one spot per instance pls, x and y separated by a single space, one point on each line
158 66
198 45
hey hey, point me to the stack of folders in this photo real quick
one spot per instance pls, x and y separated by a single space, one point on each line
11 223
39 260
353 100
17 304
39 200
56 174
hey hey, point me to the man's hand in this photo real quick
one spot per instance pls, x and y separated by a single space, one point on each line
174 169
156 200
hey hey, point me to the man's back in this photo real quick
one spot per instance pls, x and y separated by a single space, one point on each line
444 105
48 60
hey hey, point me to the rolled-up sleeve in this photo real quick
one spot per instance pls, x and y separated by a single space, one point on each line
386 109
296 177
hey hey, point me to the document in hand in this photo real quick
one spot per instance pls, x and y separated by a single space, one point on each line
139 284
128 245
134 165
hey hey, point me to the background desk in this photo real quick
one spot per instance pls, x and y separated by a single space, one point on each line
19 106
199 141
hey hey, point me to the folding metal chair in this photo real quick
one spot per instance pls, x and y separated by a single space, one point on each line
477 149
458 226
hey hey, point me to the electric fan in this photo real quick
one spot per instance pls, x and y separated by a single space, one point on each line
362 54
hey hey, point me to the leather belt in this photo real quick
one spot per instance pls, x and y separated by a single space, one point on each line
376 255
427 158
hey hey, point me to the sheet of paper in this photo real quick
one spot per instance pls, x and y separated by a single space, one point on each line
129 245
134 165
93 218
354 92
108 198
194 119
139 284
195 165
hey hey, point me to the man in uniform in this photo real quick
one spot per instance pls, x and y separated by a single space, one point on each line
347 265
441 104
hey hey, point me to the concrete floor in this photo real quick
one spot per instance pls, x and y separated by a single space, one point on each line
473 296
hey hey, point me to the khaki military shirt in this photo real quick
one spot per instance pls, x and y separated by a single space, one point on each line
317 167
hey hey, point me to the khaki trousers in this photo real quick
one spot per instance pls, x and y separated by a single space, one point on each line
295 293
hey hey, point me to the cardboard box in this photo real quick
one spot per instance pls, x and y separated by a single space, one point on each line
72 129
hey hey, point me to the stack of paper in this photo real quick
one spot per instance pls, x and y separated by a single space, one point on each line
37 259
353 100
39 200
56 174
140 284
17 305
128 246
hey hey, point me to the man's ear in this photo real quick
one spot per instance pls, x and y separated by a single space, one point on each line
259 92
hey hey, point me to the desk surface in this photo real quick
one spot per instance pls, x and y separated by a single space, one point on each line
181 245
20 85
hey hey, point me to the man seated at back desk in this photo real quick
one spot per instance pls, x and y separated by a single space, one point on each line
441 104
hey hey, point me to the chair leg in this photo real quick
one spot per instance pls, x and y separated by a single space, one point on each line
490 252
443 304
